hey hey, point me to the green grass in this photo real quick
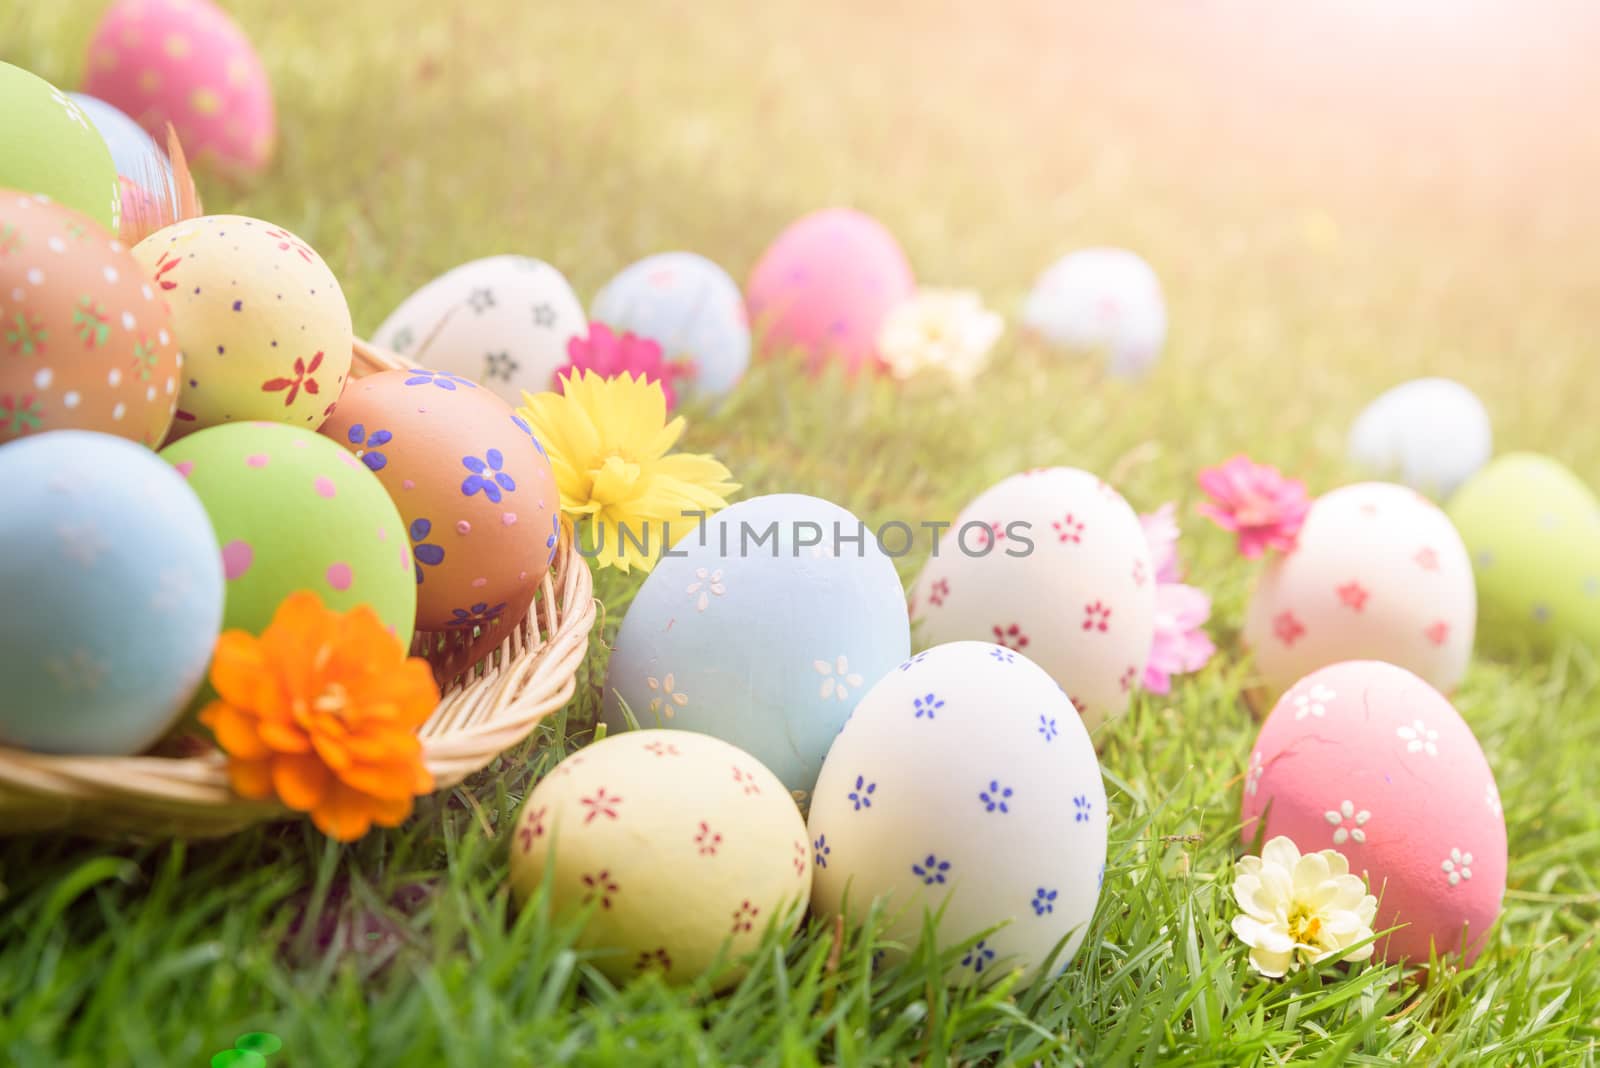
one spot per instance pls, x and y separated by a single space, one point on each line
1335 203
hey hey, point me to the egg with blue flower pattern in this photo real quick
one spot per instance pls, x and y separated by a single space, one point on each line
473 485
113 590
965 779
763 627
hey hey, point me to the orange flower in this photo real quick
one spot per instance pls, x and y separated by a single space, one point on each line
322 711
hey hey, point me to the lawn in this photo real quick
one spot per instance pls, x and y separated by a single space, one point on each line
1337 197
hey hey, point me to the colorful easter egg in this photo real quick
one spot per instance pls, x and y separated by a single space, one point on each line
1533 530
504 322
825 285
1052 563
763 627
293 511
1368 759
965 780
691 308
113 591
1378 572
683 849
263 323
1106 300
85 342
188 63
1431 434
51 148
473 485
142 167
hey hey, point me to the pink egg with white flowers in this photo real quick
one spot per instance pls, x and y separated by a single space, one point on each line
188 63
1368 759
824 287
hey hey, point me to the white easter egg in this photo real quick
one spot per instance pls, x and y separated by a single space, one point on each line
1052 563
503 322
965 779
1431 434
1102 299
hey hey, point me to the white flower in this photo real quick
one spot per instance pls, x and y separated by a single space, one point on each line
1340 816
1457 866
665 695
1313 702
1301 909
1419 738
705 584
949 329
835 677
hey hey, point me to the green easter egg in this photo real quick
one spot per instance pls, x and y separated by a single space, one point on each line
1533 529
52 148
293 511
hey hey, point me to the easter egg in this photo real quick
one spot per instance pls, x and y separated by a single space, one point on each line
691 308
682 847
293 511
263 323
188 63
1430 434
51 148
1366 758
1378 572
142 168
113 591
763 627
503 321
473 486
825 285
1052 563
1533 530
1106 300
85 343
965 779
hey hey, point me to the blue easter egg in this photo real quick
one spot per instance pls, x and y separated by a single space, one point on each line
113 591
691 307
135 153
763 628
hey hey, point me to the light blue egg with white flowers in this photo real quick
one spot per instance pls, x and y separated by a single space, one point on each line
112 582
763 627
692 308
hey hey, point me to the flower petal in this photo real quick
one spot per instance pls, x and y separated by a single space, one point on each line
301 781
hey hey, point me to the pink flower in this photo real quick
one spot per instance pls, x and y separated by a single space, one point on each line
609 356
1161 531
1180 646
1256 502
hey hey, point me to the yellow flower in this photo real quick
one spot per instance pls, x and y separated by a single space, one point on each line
608 441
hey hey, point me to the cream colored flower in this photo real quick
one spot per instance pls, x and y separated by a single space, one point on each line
945 329
1301 909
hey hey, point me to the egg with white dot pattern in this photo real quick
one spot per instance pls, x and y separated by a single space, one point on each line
51 148
965 779
1431 434
680 847
264 326
1104 300
504 322
1053 563
763 627
113 591
1366 758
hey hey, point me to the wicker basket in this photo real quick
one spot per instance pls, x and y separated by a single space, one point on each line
496 687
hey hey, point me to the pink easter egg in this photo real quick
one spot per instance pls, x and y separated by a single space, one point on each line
1367 758
825 286
186 62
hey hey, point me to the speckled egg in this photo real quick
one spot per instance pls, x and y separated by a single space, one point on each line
965 779
293 511
682 847
763 627
1368 759
142 167
689 306
85 343
503 321
1533 530
473 485
263 323
1378 572
1052 563
1106 300
1431 434
113 591
52 148
186 62
824 287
